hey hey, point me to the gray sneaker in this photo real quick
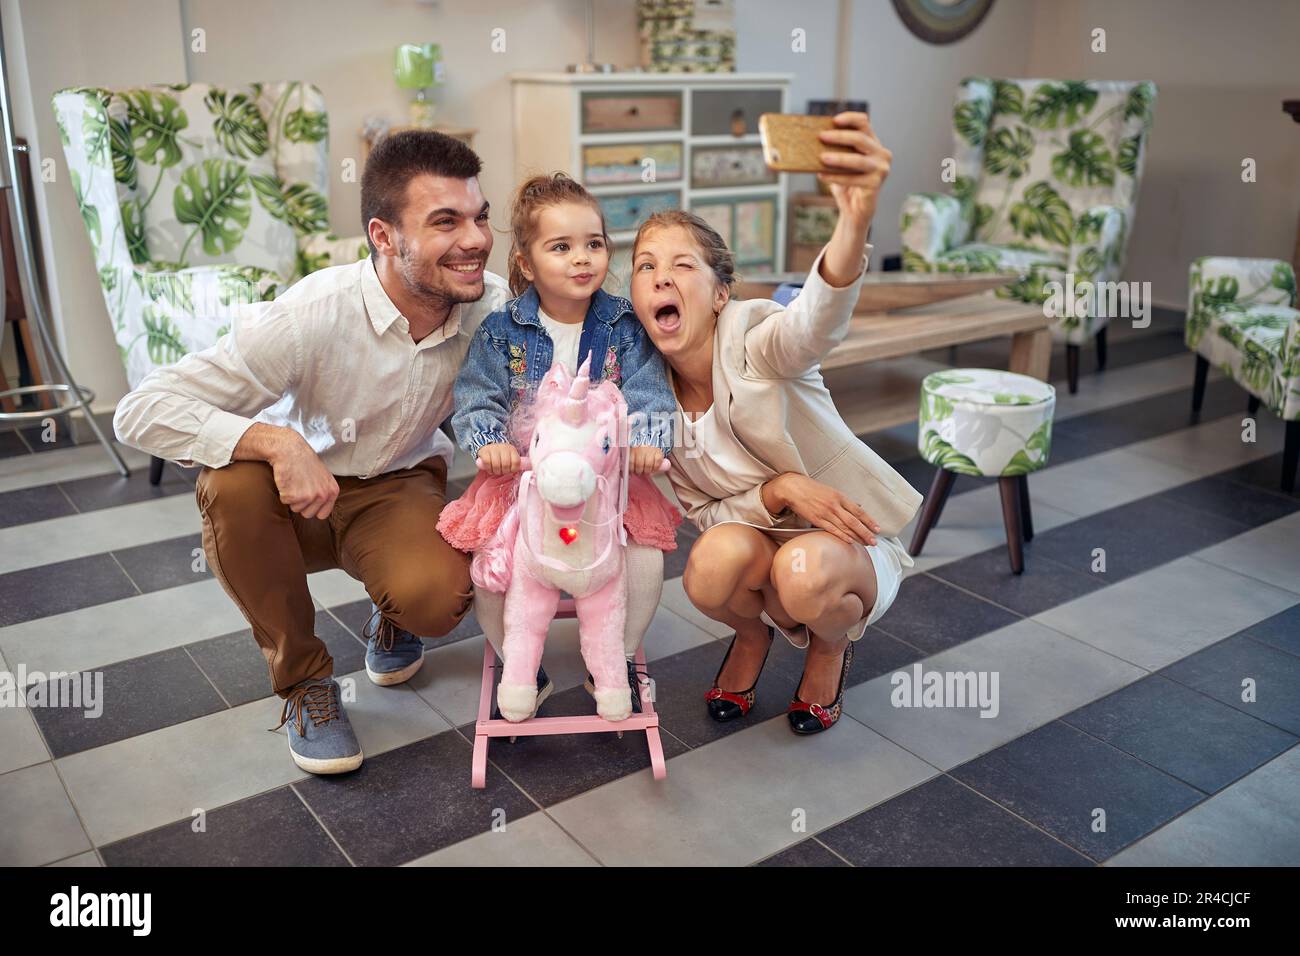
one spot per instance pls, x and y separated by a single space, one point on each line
392 654
320 736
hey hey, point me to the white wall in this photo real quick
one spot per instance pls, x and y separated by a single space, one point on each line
1222 69
52 44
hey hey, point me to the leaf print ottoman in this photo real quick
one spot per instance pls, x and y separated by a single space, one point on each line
989 424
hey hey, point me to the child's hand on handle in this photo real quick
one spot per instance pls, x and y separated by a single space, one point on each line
498 458
855 185
646 460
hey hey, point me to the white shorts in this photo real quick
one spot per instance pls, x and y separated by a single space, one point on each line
888 557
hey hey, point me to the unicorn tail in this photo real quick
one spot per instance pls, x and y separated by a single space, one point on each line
493 564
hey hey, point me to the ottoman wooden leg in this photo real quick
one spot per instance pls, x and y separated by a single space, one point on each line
1010 487
156 471
1072 367
1026 517
933 507
1101 349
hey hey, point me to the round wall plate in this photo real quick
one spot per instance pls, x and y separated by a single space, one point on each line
942 21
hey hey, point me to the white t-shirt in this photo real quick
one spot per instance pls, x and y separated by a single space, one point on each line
565 337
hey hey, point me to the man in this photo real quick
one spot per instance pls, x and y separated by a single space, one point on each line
317 420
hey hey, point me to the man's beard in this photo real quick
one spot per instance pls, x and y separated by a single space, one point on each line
436 293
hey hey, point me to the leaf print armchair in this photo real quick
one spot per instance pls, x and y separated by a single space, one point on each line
1242 319
198 199
1046 183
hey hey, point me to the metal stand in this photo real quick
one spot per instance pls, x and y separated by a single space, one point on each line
73 396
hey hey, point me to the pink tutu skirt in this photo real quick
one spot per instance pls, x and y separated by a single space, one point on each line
469 522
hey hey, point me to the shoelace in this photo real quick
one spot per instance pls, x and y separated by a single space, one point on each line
384 633
319 700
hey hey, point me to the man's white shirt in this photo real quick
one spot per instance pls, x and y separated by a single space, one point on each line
332 359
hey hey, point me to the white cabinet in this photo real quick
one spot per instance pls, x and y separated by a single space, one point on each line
642 142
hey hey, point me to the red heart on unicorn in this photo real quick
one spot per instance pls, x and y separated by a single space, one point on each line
568 535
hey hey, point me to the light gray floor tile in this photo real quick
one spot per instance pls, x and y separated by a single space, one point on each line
20 742
39 825
1268 553
145 781
740 799
108 529
536 840
1159 616
82 461
1254 822
1041 675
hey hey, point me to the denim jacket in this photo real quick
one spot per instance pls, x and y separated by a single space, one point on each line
511 351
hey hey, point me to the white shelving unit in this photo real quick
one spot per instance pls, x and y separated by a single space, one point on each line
560 117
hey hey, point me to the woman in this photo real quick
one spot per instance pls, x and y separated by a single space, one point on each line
799 518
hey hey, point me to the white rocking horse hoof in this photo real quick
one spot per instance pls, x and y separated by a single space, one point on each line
516 701
614 704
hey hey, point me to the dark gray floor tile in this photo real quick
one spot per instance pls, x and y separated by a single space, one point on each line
1182 732
807 853
138 696
33 504
1136 537
62 586
1058 778
271 829
1222 670
1045 583
234 662
1155 415
165 564
556 767
109 491
12 444
932 615
356 615
675 561
878 653
942 823
1281 631
1265 473
411 801
681 681
1224 498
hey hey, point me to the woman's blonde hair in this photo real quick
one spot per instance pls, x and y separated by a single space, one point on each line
719 258
535 194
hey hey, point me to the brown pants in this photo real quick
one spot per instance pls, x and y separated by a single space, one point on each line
382 531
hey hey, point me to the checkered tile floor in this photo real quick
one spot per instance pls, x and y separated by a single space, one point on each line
1123 736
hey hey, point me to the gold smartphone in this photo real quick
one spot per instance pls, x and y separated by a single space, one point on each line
791 144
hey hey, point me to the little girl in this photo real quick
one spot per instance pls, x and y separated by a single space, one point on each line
558 262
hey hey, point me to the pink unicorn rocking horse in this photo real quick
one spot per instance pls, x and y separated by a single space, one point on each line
562 524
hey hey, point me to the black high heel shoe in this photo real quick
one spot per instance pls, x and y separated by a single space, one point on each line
806 718
727 705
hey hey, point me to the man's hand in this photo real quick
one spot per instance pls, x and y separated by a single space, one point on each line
860 172
304 483
499 458
645 459
822 506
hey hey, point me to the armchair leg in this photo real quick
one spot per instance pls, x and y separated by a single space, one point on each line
1101 349
155 471
1290 455
1198 387
1252 405
1072 367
